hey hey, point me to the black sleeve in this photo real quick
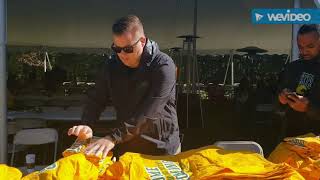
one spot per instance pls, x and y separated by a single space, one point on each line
162 88
98 97
314 103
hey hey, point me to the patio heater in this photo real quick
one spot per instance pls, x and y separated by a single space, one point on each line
188 73
251 53
189 64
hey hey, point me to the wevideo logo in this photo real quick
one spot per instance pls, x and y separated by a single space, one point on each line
285 16
258 16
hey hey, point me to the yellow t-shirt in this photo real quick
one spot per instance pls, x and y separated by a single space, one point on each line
205 163
301 153
9 173
80 145
75 167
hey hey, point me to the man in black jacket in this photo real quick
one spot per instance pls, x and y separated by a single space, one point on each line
140 81
300 93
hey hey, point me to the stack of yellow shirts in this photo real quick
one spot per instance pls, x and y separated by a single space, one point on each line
72 167
205 163
9 173
301 153
75 165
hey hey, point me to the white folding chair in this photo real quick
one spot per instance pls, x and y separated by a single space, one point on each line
12 130
35 137
240 146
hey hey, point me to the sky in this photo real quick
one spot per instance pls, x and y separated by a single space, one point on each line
87 23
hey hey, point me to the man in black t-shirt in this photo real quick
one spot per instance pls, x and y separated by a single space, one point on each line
299 85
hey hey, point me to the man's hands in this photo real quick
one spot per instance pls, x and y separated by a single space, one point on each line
296 102
283 96
81 131
100 147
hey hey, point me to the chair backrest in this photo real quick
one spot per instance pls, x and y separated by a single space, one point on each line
240 146
36 136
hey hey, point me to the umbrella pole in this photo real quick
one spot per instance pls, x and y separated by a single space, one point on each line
3 84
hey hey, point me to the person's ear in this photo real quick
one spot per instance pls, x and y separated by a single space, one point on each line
143 41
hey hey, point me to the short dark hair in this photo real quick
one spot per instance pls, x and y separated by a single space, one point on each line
126 24
308 28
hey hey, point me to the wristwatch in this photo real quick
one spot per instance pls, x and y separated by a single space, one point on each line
112 138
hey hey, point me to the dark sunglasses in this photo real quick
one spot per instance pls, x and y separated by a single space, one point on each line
127 49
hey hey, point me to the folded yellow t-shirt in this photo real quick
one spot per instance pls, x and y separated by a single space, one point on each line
301 153
9 173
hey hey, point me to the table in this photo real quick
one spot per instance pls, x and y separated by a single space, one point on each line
59 114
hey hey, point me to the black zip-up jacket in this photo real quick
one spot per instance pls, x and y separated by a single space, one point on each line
144 98
303 77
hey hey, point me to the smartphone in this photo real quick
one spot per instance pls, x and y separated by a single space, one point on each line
294 94
291 94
